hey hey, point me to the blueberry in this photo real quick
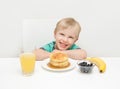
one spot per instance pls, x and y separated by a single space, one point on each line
88 65
91 64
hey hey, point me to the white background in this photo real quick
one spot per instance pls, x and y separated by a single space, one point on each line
100 21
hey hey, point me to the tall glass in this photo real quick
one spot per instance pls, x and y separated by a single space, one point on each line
27 61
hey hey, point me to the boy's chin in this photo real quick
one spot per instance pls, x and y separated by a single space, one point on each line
63 49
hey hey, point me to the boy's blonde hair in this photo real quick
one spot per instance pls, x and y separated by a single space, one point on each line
68 23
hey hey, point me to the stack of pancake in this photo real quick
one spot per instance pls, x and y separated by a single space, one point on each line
58 60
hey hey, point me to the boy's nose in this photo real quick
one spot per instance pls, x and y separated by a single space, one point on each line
65 39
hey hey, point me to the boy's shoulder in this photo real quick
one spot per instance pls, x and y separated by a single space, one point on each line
49 46
52 43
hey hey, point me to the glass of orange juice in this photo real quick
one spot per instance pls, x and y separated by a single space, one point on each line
27 61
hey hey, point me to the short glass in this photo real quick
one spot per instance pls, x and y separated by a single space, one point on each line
27 61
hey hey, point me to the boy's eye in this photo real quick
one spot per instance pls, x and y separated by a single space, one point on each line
62 34
71 37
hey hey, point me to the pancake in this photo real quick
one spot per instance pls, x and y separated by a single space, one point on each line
58 57
59 60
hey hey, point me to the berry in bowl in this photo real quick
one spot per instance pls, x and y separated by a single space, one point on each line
85 66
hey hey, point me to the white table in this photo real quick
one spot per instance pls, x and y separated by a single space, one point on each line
12 78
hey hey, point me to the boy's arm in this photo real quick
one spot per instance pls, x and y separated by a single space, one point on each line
41 54
75 54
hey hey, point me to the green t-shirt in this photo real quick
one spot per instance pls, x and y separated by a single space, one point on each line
51 46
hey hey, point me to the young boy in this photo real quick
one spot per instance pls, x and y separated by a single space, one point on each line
66 34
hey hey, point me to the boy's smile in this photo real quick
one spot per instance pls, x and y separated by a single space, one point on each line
63 45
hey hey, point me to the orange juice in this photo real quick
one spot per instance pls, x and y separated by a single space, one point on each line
27 63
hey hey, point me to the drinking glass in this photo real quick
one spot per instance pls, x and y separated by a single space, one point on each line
27 61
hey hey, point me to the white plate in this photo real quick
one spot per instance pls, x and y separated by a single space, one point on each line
45 66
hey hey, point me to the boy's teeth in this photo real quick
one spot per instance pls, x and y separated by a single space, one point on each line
63 45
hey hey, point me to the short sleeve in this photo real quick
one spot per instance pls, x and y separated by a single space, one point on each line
48 47
74 46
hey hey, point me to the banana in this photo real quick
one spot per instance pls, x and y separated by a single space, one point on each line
98 62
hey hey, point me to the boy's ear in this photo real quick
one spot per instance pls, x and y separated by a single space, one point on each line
76 39
54 34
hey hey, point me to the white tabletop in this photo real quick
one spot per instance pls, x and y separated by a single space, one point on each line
12 78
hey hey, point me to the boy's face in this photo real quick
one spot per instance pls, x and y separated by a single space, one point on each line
65 38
